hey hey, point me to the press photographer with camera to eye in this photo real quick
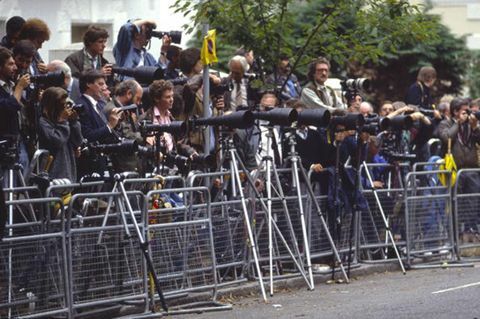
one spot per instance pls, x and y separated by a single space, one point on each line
91 56
60 133
316 94
96 126
11 100
130 50
128 94
38 32
463 131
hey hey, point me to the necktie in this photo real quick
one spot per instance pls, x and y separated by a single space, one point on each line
7 88
238 95
324 96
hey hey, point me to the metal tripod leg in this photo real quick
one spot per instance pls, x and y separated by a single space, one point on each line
275 226
236 179
324 224
385 221
144 245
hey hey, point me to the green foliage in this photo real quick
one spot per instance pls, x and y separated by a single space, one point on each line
473 74
386 40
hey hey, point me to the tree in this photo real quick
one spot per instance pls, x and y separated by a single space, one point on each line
384 40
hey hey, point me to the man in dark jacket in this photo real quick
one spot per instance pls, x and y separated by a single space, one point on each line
91 56
96 126
13 27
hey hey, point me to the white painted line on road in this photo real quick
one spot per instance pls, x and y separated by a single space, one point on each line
456 288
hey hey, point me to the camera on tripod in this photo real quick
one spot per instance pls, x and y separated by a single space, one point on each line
347 122
44 81
142 74
238 119
122 147
176 36
277 116
315 117
375 124
176 128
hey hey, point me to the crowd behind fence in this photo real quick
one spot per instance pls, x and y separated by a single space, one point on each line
80 256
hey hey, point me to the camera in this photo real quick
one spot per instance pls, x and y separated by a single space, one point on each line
400 122
48 80
239 119
78 108
314 117
176 128
8 152
176 36
477 114
128 107
356 85
220 89
143 74
375 124
349 122
124 147
278 116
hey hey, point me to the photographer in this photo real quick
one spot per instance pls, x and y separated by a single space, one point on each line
161 93
128 92
130 51
38 32
419 92
464 133
316 94
10 100
91 56
59 133
292 88
12 30
96 126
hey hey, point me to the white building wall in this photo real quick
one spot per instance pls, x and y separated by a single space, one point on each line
60 14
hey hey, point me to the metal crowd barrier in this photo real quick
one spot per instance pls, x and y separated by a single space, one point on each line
466 196
33 265
77 262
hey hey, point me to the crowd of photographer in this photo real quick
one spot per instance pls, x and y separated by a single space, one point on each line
144 113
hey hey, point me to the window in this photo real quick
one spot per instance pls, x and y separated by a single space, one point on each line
78 29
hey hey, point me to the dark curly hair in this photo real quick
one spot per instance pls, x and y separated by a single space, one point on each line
313 65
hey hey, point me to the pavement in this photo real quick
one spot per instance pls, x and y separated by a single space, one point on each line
375 291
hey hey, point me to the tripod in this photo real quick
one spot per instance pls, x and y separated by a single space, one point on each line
119 186
296 166
271 167
384 218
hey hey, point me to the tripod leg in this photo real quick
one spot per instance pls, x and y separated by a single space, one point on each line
236 176
302 219
105 218
144 246
322 219
282 238
385 221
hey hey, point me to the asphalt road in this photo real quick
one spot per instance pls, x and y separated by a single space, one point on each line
427 293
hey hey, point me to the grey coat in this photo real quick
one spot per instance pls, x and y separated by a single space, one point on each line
465 155
60 139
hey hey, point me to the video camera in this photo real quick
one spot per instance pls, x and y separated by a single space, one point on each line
47 80
176 36
176 128
239 119
278 116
